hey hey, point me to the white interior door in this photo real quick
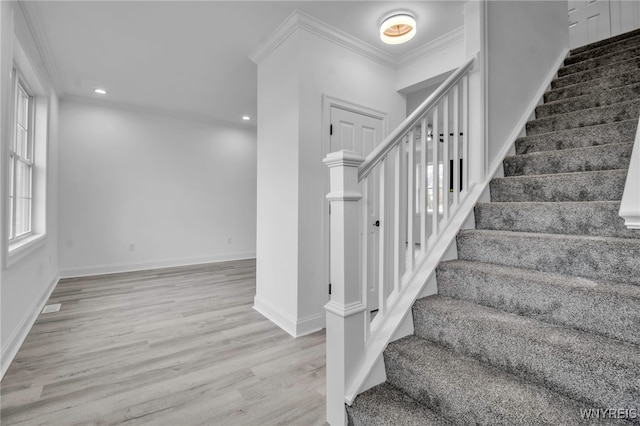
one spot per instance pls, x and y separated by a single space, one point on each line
589 21
361 133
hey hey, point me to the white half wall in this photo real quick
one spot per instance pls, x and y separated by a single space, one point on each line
524 40
141 190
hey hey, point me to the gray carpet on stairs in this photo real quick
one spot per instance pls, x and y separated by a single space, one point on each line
618 132
582 303
539 318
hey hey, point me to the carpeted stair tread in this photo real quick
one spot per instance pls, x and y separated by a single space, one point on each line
588 368
386 405
623 66
469 392
601 185
601 46
619 132
588 101
626 52
600 258
595 218
593 86
601 157
581 303
627 110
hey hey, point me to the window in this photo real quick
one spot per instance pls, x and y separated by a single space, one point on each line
430 191
26 141
21 163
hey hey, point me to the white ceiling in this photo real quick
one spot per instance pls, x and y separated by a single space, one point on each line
193 57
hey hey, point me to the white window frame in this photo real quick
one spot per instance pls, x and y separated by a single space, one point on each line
21 246
25 158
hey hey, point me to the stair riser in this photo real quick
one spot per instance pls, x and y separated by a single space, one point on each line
630 65
593 86
576 307
606 157
595 100
558 366
589 117
579 138
628 51
621 42
450 387
385 404
589 257
592 186
598 219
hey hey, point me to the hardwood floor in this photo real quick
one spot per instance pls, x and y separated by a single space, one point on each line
177 346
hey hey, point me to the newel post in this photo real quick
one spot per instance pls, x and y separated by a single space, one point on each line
345 311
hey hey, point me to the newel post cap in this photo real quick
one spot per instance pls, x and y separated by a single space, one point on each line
343 157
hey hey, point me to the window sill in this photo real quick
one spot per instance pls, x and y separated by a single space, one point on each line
20 249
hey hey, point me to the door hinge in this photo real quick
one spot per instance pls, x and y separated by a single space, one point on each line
329 288
330 129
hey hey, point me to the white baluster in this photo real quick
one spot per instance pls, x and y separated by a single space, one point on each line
398 243
345 312
382 241
465 133
435 175
456 141
364 250
423 185
411 207
445 159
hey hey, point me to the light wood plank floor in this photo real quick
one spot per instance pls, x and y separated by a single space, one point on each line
177 346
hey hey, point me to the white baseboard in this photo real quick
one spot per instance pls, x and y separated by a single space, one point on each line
520 126
85 271
10 350
294 327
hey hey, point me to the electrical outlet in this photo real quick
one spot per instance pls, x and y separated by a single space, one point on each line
132 246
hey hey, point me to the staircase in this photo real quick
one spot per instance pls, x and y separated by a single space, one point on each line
538 321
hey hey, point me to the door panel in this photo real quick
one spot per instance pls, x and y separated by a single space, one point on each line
589 21
362 133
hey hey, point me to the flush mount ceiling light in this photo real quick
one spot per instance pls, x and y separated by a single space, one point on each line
246 118
100 91
398 28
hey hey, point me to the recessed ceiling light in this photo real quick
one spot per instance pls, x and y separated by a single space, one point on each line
246 118
100 91
398 28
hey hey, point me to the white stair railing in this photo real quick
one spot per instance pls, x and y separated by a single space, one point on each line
630 203
409 187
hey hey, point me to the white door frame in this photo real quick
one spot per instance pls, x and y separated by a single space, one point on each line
329 102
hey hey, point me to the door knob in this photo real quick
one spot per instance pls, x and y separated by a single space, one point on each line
376 223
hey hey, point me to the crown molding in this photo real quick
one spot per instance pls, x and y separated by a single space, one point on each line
300 20
437 44
36 27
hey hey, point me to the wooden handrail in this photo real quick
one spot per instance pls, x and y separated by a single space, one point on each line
412 120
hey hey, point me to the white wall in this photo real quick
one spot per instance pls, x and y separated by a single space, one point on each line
25 284
437 60
141 190
292 233
524 41
336 71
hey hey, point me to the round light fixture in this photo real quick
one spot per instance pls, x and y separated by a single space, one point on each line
100 91
398 28
246 118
